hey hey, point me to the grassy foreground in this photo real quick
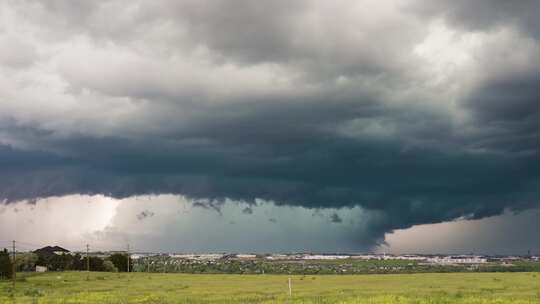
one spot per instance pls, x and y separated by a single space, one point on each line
72 287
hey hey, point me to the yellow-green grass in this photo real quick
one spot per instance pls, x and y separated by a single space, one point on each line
72 287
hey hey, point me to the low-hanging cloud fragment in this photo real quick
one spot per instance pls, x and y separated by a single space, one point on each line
145 214
247 210
335 218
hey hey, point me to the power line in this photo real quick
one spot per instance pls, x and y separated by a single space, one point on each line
23 248
29 244
81 248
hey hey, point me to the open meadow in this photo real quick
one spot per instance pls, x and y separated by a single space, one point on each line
73 287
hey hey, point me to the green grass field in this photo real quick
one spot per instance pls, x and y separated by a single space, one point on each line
72 287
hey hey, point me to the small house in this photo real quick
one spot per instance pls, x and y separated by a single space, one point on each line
41 268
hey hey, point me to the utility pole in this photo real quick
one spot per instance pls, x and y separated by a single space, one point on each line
127 258
87 262
14 275
290 288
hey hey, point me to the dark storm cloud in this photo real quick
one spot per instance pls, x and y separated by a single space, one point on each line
484 14
511 106
312 168
321 108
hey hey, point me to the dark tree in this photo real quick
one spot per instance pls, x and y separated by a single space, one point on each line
120 261
96 264
79 262
6 268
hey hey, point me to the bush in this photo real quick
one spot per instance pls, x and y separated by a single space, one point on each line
6 267
26 261
120 262
109 266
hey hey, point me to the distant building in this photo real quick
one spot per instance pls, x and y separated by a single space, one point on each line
41 269
246 256
277 257
366 257
51 250
325 257
460 259
410 257
199 257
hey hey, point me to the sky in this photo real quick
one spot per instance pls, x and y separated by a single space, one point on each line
328 126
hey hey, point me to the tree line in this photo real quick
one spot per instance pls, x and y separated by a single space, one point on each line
26 262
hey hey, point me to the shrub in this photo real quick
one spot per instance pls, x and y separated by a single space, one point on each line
109 266
6 267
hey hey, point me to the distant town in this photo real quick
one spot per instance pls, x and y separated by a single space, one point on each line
56 258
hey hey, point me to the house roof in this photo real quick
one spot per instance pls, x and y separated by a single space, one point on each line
50 250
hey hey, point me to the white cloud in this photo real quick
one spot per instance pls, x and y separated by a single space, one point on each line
505 234
56 220
177 225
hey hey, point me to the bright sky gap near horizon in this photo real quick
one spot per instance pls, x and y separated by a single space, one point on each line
265 126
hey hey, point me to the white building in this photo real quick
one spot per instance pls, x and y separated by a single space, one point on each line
366 257
200 257
246 256
410 258
325 257
41 269
461 259
277 257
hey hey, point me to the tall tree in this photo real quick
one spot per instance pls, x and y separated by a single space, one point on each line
120 262
6 267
